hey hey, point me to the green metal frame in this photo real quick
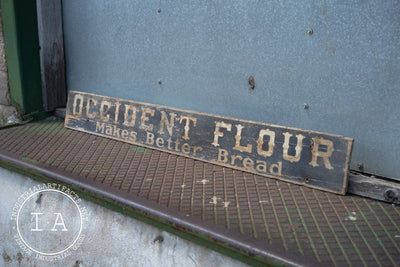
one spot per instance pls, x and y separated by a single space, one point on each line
22 52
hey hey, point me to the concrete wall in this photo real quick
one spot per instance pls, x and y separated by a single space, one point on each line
4 92
5 109
111 239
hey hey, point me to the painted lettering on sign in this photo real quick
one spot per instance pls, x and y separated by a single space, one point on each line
314 159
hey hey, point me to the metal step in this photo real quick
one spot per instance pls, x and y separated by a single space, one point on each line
253 218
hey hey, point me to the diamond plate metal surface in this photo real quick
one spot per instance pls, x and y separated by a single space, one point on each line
333 229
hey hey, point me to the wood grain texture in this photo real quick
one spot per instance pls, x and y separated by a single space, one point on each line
51 53
375 188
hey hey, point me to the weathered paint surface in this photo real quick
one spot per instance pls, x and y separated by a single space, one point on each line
112 239
305 157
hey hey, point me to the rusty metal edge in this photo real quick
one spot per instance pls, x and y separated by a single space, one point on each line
241 247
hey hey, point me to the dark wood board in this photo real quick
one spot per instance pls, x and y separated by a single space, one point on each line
310 158
52 61
362 184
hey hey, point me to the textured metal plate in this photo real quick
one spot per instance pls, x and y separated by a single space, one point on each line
314 159
332 229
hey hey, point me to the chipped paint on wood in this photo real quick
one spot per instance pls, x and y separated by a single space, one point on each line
314 159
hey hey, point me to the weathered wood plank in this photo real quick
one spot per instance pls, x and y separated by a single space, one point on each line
314 159
51 53
375 188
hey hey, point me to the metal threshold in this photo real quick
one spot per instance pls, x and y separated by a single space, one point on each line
248 217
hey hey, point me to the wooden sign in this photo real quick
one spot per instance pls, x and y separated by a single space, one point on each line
314 159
